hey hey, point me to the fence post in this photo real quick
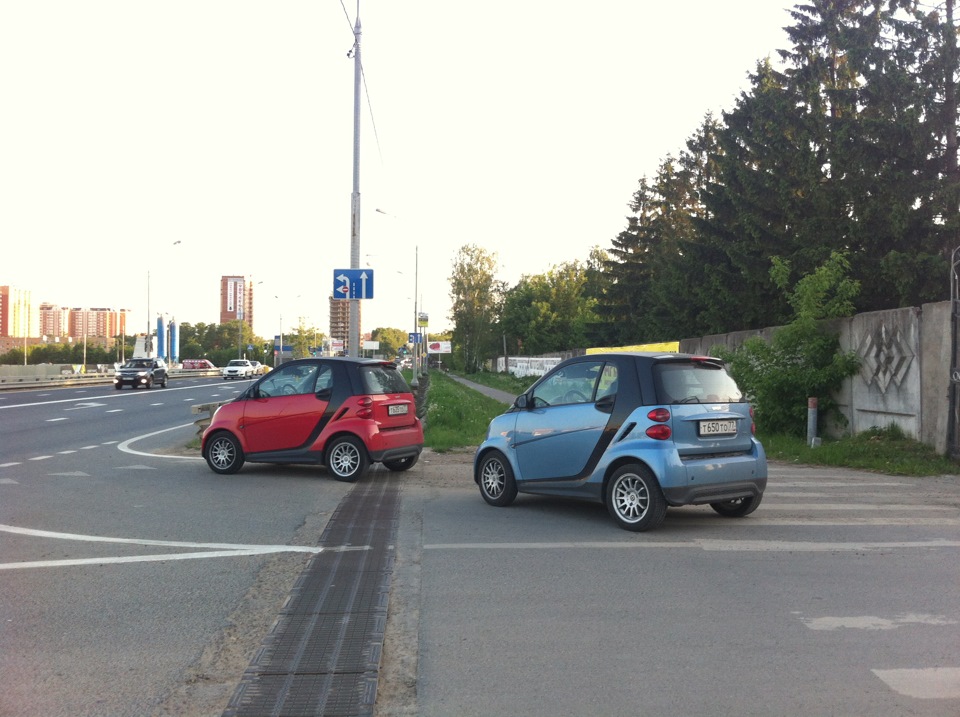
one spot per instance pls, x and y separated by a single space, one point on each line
812 439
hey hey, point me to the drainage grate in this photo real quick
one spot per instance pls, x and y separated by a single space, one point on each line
322 656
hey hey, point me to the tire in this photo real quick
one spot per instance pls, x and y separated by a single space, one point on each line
163 383
495 478
118 386
149 384
738 507
402 464
347 459
634 498
223 454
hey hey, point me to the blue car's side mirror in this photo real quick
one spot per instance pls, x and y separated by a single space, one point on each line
521 401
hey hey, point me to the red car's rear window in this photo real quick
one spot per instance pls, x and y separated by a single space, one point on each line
384 378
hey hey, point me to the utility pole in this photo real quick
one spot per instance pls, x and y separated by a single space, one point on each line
354 329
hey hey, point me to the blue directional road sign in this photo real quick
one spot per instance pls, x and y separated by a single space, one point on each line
353 283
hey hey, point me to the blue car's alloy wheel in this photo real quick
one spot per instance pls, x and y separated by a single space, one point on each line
634 498
495 477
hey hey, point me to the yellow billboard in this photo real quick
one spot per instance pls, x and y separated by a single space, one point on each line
669 347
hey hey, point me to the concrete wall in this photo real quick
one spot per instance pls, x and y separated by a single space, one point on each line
906 357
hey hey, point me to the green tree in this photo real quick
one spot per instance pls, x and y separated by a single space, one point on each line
475 296
549 312
390 340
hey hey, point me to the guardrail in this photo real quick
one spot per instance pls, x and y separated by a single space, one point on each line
207 408
8 383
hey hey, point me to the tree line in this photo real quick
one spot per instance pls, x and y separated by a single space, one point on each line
847 147
219 343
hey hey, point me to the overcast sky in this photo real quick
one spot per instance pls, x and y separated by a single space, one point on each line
521 126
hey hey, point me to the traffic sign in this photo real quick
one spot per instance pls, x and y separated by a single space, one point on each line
413 338
353 283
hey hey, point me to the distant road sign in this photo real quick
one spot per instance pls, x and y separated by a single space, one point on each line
353 283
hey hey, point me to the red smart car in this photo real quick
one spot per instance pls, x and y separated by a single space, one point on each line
342 413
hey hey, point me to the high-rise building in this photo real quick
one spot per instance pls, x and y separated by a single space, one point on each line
236 300
340 321
17 317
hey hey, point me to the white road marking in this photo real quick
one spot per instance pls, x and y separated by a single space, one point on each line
39 458
81 406
931 683
72 474
64 453
118 394
207 550
54 420
7 465
114 410
87 448
125 446
676 520
8 481
828 483
761 546
854 506
872 622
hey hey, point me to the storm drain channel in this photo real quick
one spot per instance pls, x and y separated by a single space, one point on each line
322 656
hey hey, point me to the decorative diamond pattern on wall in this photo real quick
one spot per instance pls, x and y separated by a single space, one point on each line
886 357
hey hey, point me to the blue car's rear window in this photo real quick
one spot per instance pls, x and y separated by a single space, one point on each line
694 382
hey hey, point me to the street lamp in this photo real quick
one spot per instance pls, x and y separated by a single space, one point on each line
279 358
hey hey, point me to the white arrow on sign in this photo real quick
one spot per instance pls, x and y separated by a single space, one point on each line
363 285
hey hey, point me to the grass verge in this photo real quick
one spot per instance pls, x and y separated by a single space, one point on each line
884 450
457 416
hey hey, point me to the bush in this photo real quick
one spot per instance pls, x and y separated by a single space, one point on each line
802 360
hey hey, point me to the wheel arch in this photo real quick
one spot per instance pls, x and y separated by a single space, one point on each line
617 465
209 436
478 459
332 438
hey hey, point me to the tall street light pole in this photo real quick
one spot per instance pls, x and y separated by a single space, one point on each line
354 324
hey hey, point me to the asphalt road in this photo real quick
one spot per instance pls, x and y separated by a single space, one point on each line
137 582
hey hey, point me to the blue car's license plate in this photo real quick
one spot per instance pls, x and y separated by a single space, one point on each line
717 428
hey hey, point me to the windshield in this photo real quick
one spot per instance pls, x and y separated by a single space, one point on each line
237 362
134 363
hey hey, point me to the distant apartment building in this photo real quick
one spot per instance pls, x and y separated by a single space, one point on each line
17 318
340 321
236 300
93 322
54 320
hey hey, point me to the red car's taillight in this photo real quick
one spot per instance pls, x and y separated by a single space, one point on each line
659 432
365 411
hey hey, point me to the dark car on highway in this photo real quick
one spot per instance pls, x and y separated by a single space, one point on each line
138 372
342 413
637 432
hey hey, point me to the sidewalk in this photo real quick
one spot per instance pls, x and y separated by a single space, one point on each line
502 396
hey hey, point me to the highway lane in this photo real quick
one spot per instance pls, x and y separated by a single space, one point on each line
123 574
31 421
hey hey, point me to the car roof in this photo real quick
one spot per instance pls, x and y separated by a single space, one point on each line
650 355
343 359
